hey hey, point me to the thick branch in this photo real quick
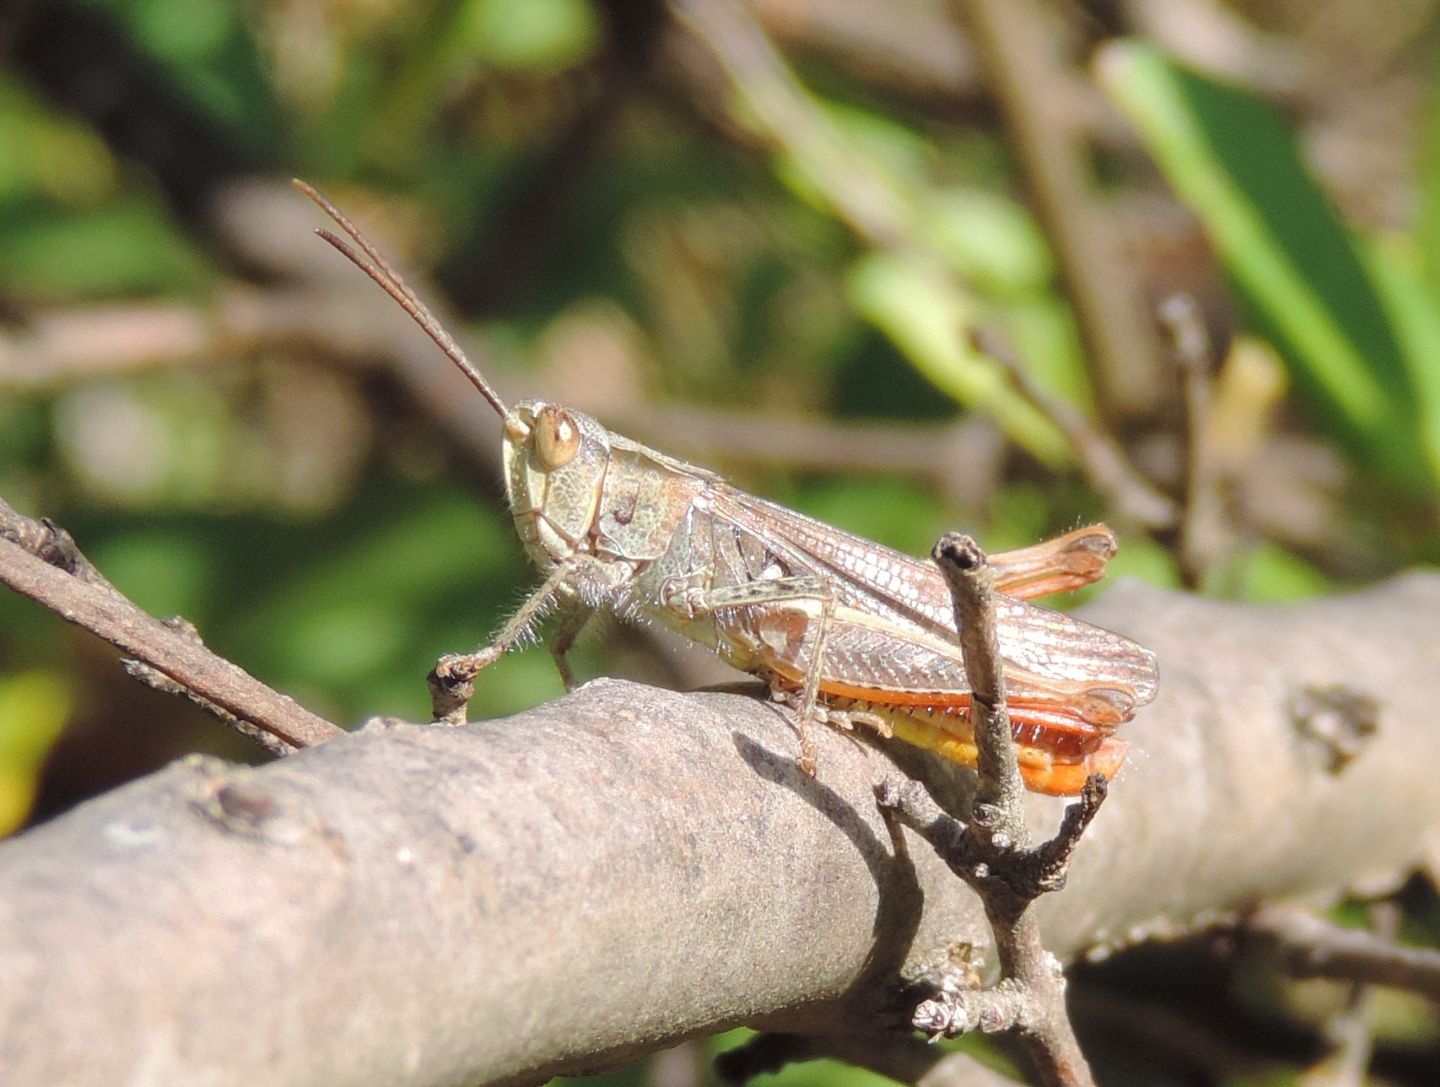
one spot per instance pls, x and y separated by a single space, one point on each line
627 867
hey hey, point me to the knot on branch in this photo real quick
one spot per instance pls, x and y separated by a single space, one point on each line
452 685
1007 1005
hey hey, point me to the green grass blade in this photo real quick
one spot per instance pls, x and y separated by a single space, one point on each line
1298 270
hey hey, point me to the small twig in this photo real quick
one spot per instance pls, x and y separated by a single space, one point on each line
993 853
40 560
1052 858
1203 537
1351 1029
1030 996
159 681
1021 65
967 572
61 345
451 689
1100 457
1310 947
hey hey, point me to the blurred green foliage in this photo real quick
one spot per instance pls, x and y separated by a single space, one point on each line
33 709
1302 273
593 226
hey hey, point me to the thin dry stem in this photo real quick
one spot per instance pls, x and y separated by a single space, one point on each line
860 194
1022 67
967 572
39 560
1351 1029
993 854
1310 947
1101 459
1204 536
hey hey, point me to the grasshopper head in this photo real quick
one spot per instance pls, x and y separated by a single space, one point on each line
555 462
555 459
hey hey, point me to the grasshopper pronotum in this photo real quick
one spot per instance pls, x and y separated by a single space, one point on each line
843 629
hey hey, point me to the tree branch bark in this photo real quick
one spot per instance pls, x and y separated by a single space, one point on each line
627 867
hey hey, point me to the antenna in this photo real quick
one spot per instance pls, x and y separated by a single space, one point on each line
393 283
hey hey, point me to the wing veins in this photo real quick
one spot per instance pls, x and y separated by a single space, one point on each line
1073 648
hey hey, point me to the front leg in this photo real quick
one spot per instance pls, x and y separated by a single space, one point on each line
452 680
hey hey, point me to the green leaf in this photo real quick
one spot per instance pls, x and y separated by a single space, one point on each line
1427 227
1411 301
127 247
917 305
34 707
539 36
1267 574
1297 268
990 241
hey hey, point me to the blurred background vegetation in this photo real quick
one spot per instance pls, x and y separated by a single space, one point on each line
807 244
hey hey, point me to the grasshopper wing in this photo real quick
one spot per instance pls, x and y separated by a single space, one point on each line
873 578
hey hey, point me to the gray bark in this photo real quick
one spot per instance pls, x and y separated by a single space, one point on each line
627 867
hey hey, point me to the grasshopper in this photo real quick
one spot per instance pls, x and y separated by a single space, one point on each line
844 630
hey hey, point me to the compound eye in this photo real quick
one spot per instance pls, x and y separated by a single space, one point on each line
557 438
